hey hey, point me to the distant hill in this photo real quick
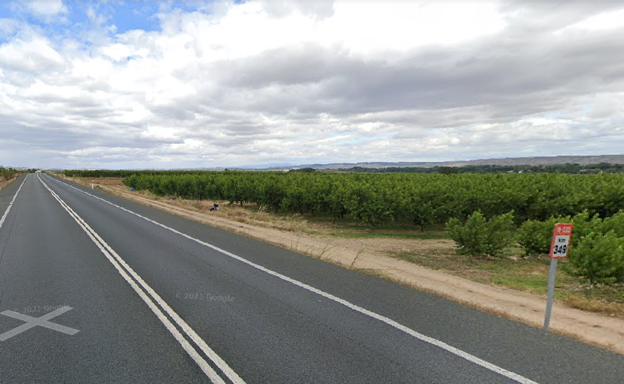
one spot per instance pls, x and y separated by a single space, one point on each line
544 160
533 161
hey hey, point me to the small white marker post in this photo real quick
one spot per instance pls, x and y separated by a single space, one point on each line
559 248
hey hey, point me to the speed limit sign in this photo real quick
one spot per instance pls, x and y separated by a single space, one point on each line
560 244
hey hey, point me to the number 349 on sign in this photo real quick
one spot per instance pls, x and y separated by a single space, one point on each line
560 245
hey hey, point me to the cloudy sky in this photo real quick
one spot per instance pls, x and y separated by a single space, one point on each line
146 84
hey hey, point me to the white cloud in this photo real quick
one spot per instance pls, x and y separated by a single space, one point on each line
33 55
604 21
266 82
608 105
45 9
370 28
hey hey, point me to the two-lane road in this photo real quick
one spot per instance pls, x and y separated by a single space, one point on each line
98 289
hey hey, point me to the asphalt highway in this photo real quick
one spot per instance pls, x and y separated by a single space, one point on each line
96 289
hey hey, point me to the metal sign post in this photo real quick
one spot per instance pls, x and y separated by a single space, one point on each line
559 248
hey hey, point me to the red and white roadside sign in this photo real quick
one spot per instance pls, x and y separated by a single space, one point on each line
560 245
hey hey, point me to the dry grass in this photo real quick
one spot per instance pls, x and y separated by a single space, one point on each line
525 275
249 214
102 181
5 183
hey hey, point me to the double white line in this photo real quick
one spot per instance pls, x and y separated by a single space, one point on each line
157 304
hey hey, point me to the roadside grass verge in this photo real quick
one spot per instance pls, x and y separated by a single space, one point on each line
5 183
529 275
388 234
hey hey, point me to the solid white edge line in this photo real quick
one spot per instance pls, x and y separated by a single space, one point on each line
440 344
6 213
106 250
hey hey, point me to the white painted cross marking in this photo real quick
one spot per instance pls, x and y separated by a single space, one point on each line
32 322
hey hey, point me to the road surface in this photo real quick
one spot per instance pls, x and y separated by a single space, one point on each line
95 289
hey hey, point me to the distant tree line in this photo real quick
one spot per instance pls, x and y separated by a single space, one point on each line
125 173
557 168
569 168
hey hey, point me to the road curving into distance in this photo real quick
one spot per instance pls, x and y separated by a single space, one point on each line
95 289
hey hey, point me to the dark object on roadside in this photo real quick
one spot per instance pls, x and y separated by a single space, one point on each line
215 207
